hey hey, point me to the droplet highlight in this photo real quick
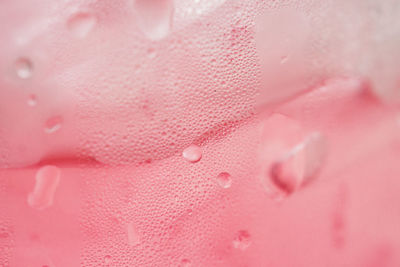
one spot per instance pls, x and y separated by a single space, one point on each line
192 154
47 180
81 24
224 180
24 68
242 240
154 17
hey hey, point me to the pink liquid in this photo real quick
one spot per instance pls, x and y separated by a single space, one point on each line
199 133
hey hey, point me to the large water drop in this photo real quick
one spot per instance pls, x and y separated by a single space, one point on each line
154 17
81 23
47 180
300 165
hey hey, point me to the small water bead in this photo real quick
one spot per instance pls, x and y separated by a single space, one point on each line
47 180
107 259
24 68
151 53
224 179
185 263
32 100
242 240
81 23
53 124
192 153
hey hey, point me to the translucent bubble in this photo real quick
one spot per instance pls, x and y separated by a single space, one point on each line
192 154
242 240
24 68
81 23
224 179
47 180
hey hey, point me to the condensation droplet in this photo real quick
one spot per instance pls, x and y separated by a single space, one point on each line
339 217
24 68
53 124
47 180
192 154
81 23
133 236
154 17
107 259
185 263
284 59
32 100
242 240
224 179
4 233
300 165
151 53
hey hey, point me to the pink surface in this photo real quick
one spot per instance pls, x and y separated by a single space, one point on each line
199 133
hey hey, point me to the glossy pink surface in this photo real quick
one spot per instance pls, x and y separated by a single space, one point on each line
199 133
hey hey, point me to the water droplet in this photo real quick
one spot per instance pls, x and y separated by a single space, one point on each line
81 23
24 68
284 59
154 17
4 233
32 100
151 53
224 179
185 263
300 165
47 180
192 154
242 240
53 124
107 259
339 220
133 236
